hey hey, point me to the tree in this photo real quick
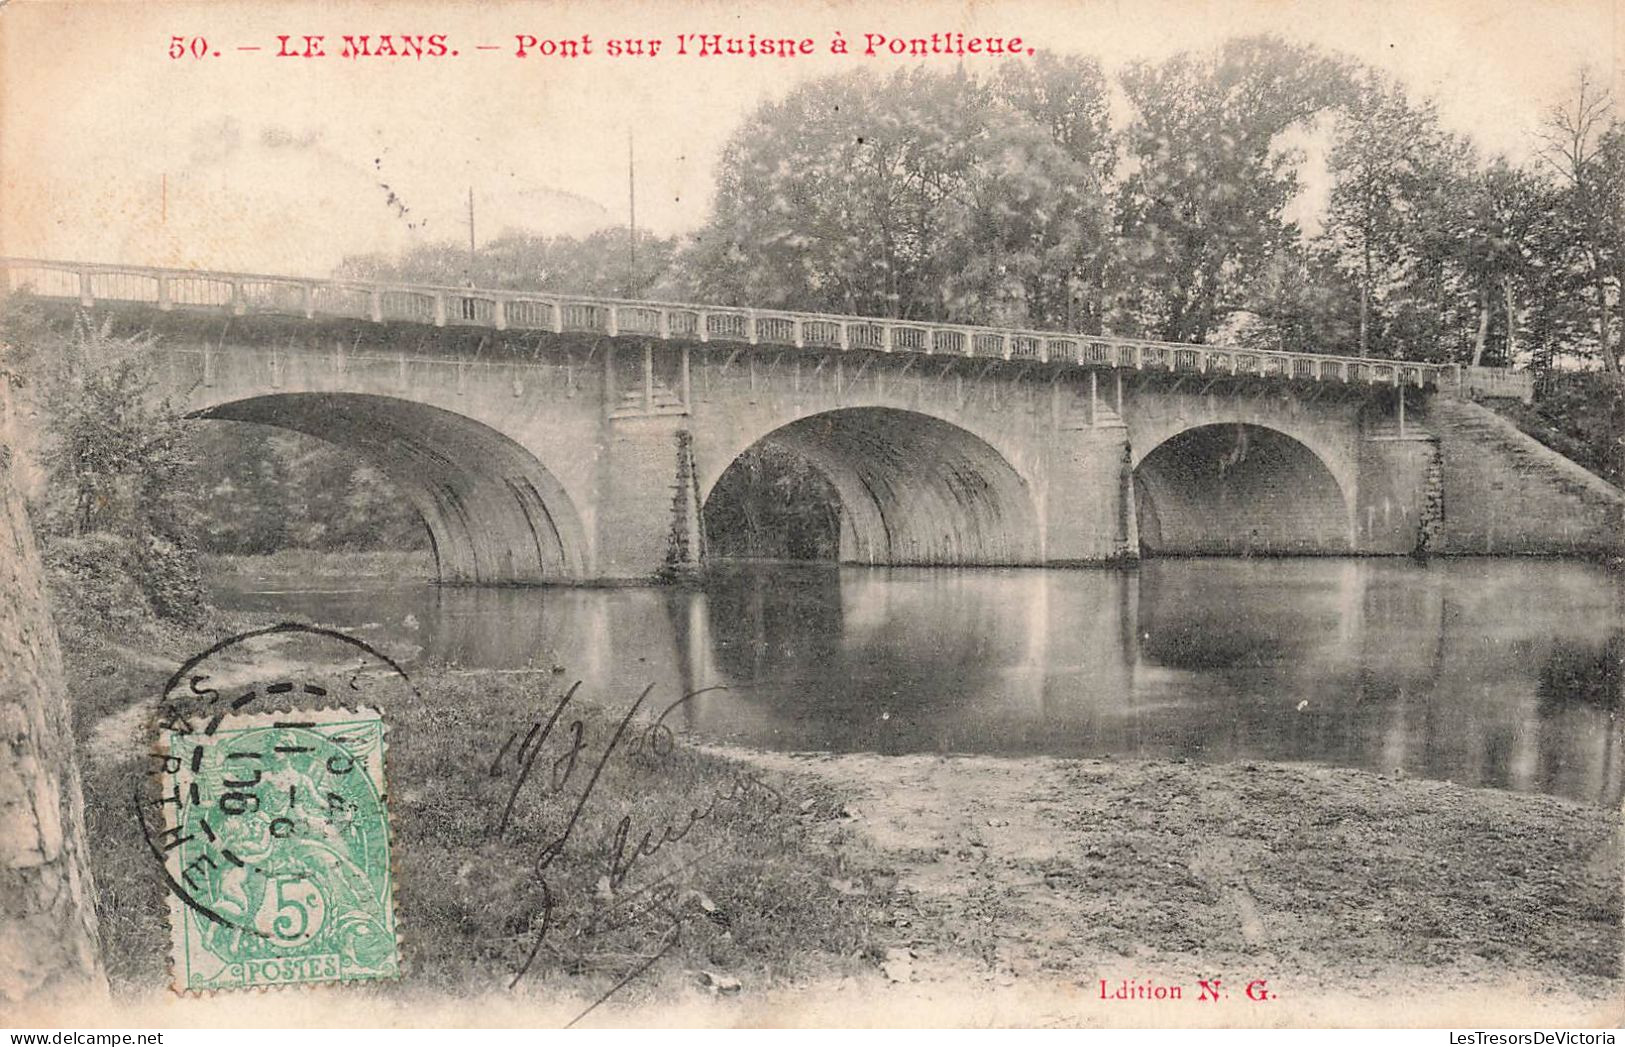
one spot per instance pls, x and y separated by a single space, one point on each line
1202 209
1027 242
834 199
118 466
1300 300
115 453
1068 99
269 488
245 485
1583 146
1386 155
772 502
923 196
1505 209
601 264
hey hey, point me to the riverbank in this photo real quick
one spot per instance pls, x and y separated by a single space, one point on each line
888 889
316 566
1071 887
740 897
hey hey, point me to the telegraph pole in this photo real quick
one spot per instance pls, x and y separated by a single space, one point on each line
632 215
471 236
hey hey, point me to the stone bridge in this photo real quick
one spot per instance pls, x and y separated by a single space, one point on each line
556 438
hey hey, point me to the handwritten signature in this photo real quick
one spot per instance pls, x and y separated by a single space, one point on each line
626 846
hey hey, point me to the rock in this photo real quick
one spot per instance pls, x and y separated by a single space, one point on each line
898 964
720 984
699 898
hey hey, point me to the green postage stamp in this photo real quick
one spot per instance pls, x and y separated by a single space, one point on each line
276 843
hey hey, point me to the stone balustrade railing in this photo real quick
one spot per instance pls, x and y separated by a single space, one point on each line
245 294
1497 383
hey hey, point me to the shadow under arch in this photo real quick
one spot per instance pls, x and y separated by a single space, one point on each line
912 489
495 515
1231 489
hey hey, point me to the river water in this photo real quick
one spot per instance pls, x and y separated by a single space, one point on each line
1500 673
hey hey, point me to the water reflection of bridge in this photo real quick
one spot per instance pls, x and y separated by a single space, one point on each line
1433 671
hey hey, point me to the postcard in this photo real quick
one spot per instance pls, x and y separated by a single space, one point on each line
1057 514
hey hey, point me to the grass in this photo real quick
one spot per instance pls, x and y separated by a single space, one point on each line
746 895
407 565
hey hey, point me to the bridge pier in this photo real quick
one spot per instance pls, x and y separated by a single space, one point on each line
1088 498
1398 506
645 513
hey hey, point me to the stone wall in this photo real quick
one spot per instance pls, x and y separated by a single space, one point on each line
48 939
1505 493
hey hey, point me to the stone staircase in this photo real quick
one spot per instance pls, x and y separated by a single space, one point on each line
1075 411
1505 492
663 400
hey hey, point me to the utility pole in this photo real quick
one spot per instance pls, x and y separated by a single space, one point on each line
632 215
469 310
471 236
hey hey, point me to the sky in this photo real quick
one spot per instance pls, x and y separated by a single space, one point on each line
111 150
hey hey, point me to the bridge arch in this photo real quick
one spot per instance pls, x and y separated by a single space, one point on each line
1231 488
912 488
495 514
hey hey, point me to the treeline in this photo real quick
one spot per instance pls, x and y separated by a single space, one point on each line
1167 201
262 489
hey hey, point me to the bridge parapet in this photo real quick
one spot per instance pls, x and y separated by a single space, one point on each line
252 294
1497 383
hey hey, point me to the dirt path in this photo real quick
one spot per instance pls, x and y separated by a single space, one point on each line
1021 885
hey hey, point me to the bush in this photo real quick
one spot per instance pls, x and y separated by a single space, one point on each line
172 580
92 578
1580 415
117 514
